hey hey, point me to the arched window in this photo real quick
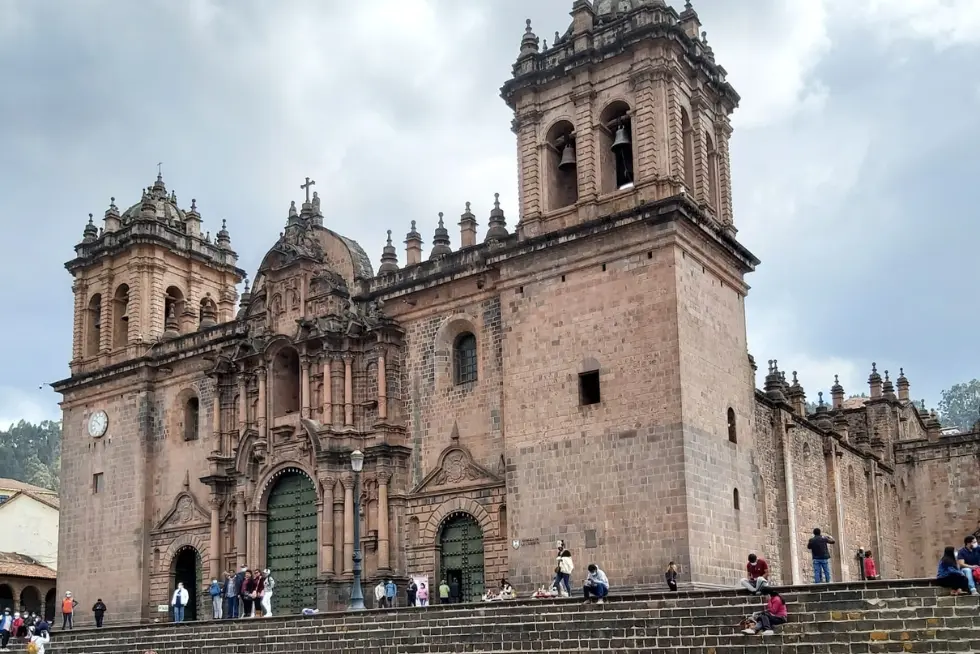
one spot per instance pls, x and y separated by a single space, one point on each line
714 191
688 141
735 501
173 303
502 520
192 414
93 330
732 430
464 359
285 382
615 148
562 168
120 317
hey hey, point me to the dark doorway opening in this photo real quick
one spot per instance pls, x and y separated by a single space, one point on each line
6 597
186 571
49 605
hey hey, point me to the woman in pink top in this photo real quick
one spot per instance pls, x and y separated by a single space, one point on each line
774 615
422 595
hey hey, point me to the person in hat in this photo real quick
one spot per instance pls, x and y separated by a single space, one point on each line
6 628
67 609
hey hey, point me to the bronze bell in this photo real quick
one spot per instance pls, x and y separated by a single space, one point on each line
567 158
125 313
622 139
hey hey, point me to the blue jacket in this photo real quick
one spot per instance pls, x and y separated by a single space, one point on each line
215 589
390 589
946 570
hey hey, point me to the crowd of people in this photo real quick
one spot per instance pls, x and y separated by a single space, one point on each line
29 628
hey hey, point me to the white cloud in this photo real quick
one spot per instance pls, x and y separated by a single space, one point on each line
946 23
17 404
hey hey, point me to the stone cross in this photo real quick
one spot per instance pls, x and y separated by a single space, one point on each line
306 187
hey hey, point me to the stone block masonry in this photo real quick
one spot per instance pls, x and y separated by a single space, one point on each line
857 618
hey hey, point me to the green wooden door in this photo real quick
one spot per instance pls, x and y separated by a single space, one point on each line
291 543
462 556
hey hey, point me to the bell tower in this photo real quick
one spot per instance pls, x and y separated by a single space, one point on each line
626 107
148 274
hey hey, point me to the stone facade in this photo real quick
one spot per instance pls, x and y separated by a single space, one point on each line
583 378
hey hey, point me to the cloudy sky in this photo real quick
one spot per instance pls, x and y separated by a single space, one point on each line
853 153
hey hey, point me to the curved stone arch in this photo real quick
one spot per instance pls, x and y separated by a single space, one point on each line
177 411
244 450
546 129
617 99
260 498
183 542
276 344
445 340
451 507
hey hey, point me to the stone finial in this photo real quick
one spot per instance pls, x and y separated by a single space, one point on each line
529 44
874 381
903 386
112 219
192 220
209 313
440 241
413 246
467 228
171 326
774 385
497 227
796 396
389 258
91 232
837 394
223 238
887 388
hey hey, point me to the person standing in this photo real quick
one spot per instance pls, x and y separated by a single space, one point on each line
868 565
67 610
379 595
411 592
671 576
757 569
564 570
454 594
99 609
41 637
391 593
214 590
239 584
819 547
231 596
444 592
6 628
179 601
269 585
423 594
247 593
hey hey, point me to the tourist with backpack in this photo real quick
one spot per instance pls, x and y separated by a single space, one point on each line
41 637
214 590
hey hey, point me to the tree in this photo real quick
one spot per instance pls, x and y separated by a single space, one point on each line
960 405
32 453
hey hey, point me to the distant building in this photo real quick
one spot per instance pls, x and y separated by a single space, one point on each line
28 547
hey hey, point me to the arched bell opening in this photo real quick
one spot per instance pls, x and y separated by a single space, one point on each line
562 166
615 147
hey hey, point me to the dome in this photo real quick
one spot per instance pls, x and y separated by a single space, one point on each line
155 198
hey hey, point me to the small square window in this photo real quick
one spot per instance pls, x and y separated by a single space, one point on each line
588 388
98 482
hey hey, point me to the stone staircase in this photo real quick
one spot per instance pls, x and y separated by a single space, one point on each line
866 617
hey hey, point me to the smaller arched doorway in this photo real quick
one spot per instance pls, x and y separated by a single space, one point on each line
49 604
187 570
7 597
30 600
461 555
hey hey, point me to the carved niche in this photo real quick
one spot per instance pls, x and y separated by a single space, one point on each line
185 513
457 469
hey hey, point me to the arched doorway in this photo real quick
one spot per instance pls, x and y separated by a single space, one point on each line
49 604
30 600
291 542
7 598
461 555
187 570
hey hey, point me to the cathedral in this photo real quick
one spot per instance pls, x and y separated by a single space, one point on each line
580 375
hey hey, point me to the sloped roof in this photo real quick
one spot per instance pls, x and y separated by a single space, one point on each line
42 495
14 485
13 564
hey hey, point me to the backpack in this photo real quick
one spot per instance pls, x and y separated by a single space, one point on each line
270 584
32 648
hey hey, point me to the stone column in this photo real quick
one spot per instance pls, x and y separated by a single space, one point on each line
242 402
327 417
382 389
794 551
875 506
241 535
260 373
326 526
348 481
348 390
338 534
214 549
216 415
384 559
840 563
304 390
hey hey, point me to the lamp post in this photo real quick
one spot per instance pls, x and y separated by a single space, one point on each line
356 596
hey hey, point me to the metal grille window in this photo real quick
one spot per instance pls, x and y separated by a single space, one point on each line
464 359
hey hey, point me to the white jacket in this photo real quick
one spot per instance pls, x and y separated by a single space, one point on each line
565 565
185 597
379 592
41 640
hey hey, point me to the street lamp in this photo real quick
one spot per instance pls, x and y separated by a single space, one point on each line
356 596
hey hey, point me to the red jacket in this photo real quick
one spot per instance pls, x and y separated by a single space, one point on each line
776 607
758 569
869 568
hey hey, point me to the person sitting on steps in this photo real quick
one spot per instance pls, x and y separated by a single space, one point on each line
757 570
949 574
596 585
772 616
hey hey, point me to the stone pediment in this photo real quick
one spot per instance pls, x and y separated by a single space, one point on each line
457 469
186 513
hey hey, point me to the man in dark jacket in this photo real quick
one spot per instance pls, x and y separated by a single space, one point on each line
819 547
454 594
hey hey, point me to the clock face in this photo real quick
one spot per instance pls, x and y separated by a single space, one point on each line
97 424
